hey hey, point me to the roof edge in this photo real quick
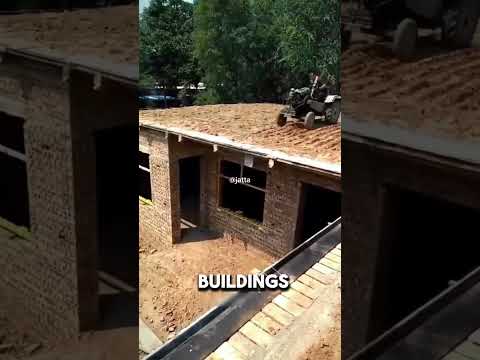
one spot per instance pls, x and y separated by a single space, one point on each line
323 166
466 151
125 73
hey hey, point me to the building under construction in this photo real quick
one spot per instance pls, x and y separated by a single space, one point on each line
411 169
231 171
189 157
68 115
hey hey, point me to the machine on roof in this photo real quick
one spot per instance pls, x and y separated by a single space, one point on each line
399 21
312 106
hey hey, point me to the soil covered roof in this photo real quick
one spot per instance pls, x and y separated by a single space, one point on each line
252 125
438 95
95 37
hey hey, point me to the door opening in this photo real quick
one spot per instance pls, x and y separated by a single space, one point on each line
426 244
117 231
189 193
318 207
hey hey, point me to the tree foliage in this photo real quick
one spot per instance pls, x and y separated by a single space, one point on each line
309 37
256 50
166 48
243 50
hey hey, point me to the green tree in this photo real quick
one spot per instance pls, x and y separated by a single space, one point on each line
309 38
255 50
222 37
166 47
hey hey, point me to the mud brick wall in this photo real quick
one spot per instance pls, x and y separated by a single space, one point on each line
156 219
38 284
94 113
48 283
276 235
366 171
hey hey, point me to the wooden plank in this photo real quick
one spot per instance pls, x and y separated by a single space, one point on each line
16 230
278 314
324 279
244 345
336 265
266 323
256 334
305 290
288 305
297 297
469 349
331 264
228 352
336 252
213 356
333 258
310 282
115 282
323 269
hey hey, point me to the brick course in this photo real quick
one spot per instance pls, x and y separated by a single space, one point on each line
161 221
48 283
38 279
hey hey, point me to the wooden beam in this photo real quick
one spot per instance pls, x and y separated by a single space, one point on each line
13 153
12 106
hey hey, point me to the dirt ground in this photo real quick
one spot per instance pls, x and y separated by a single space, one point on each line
113 344
437 91
107 33
14 344
329 344
169 299
253 124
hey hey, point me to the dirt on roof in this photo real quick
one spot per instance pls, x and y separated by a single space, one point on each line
109 33
252 124
438 94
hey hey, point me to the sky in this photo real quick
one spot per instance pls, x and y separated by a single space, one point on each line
144 3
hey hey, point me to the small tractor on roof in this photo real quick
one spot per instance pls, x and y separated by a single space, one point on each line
400 21
313 106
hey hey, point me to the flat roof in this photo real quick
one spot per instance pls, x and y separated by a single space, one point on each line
252 128
435 98
102 39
